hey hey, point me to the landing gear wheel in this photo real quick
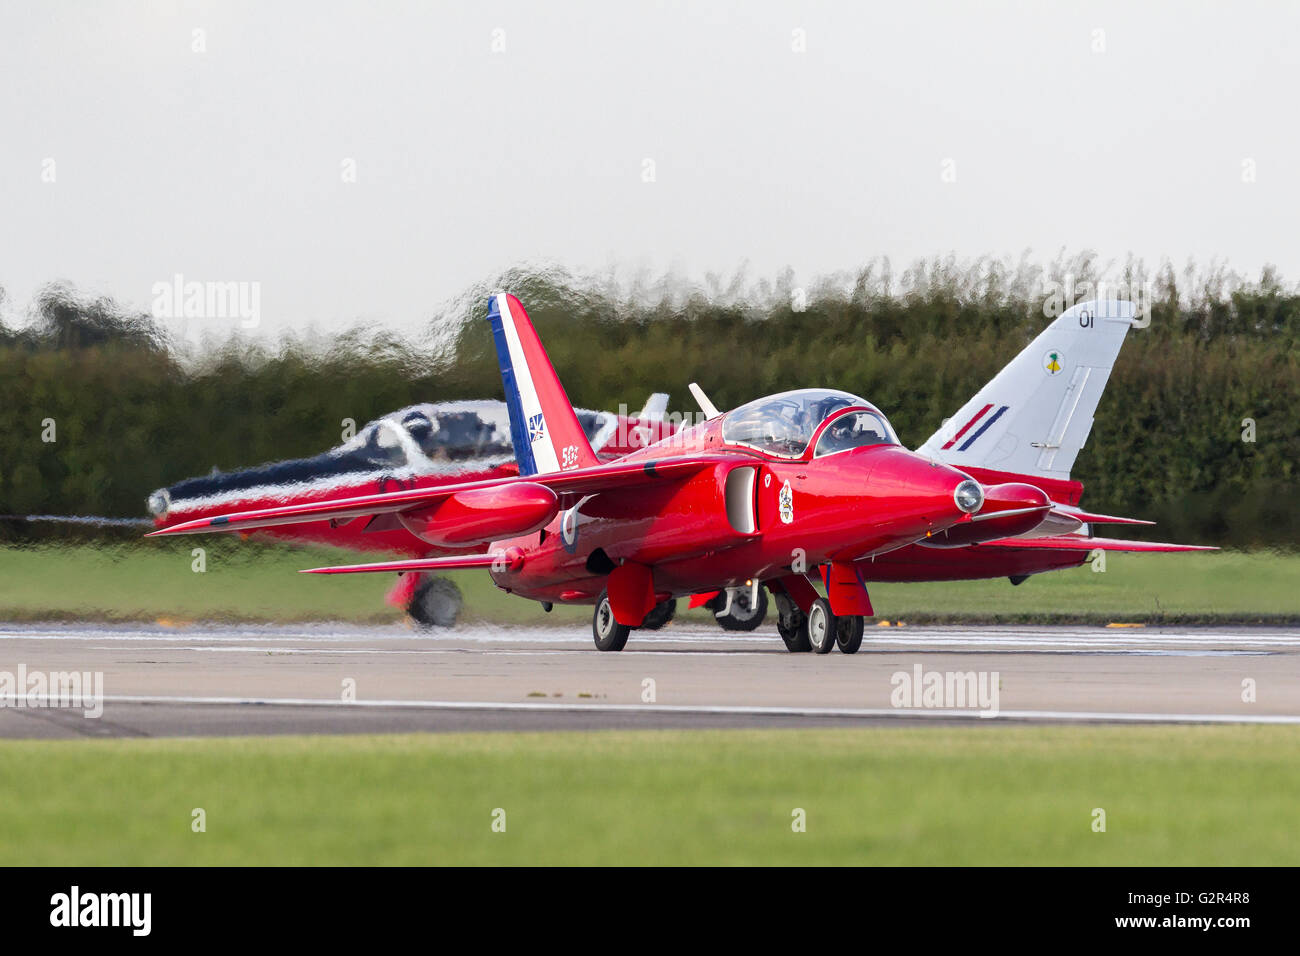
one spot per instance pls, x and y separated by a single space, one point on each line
435 603
744 616
848 632
609 634
792 625
821 626
662 613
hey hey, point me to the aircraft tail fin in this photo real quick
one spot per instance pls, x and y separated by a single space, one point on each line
655 408
1035 415
546 433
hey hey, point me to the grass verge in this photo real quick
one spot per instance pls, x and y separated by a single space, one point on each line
248 581
981 795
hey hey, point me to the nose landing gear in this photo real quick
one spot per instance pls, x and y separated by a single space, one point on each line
819 630
821 626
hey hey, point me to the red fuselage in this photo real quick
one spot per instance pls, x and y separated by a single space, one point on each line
756 516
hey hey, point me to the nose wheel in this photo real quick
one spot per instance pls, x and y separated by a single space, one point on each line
824 631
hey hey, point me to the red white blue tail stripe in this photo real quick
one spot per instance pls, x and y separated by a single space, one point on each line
544 430
987 423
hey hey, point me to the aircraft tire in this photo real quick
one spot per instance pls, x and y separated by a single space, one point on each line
663 612
742 617
821 626
436 603
848 632
607 632
792 625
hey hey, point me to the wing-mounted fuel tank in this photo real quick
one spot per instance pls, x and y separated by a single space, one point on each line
484 514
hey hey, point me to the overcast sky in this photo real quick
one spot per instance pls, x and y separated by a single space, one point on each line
810 135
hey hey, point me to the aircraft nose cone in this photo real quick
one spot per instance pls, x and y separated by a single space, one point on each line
923 495
159 503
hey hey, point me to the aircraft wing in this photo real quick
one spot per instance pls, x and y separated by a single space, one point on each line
615 476
1088 517
1075 542
449 563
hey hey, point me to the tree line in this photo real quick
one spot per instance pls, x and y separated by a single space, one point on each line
1199 428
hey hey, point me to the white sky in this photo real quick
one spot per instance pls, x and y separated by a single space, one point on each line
225 165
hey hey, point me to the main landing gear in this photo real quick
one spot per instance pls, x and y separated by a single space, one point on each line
735 610
819 630
609 634
612 636
663 612
435 603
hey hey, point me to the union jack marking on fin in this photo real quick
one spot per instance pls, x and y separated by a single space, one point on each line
536 428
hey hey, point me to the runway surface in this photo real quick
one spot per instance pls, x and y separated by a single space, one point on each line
212 680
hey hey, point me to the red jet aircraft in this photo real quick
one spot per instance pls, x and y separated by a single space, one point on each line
809 485
422 446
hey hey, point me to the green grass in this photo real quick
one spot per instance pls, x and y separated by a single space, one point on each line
973 795
1205 586
247 581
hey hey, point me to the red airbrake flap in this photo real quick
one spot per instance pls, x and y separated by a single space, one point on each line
846 590
631 593
799 588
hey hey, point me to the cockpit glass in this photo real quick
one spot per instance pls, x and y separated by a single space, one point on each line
454 435
384 446
784 424
854 430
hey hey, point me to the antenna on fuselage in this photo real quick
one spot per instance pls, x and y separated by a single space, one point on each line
710 411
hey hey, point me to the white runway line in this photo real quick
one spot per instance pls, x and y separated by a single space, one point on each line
684 641
660 653
724 710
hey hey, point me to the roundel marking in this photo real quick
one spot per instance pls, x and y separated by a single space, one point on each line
569 530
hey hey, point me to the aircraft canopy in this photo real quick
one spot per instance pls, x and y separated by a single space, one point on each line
784 424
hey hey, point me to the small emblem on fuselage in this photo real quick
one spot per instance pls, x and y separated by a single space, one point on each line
1052 362
786 502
